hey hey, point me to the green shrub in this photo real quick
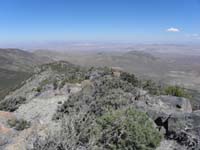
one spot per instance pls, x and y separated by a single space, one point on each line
131 78
18 124
126 129
176 91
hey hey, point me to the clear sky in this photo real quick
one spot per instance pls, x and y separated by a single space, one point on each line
100 20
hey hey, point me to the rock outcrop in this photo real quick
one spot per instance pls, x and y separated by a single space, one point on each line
174 118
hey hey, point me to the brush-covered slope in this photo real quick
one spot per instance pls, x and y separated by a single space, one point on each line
65 106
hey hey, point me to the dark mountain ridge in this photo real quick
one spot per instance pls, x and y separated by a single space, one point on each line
16 66
19 60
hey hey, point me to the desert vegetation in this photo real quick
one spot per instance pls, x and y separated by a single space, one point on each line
18 124
12 104
114 130
107 112
102 116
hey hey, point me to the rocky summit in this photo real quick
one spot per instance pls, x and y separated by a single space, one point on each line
63 106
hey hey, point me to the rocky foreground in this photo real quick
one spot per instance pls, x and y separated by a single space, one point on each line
63 106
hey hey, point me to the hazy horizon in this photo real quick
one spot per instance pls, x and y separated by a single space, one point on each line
94 45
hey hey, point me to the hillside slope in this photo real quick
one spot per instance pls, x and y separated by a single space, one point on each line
65 106
19 60
16 66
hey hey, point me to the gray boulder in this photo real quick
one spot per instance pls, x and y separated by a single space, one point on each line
178 103
163 106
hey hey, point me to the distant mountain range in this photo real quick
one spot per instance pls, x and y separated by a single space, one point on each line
19 60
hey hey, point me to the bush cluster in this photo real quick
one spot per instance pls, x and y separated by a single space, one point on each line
126 129
12 104
176 91
114 130
18 124
131 78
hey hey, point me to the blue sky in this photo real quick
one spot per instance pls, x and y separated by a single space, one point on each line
100 20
